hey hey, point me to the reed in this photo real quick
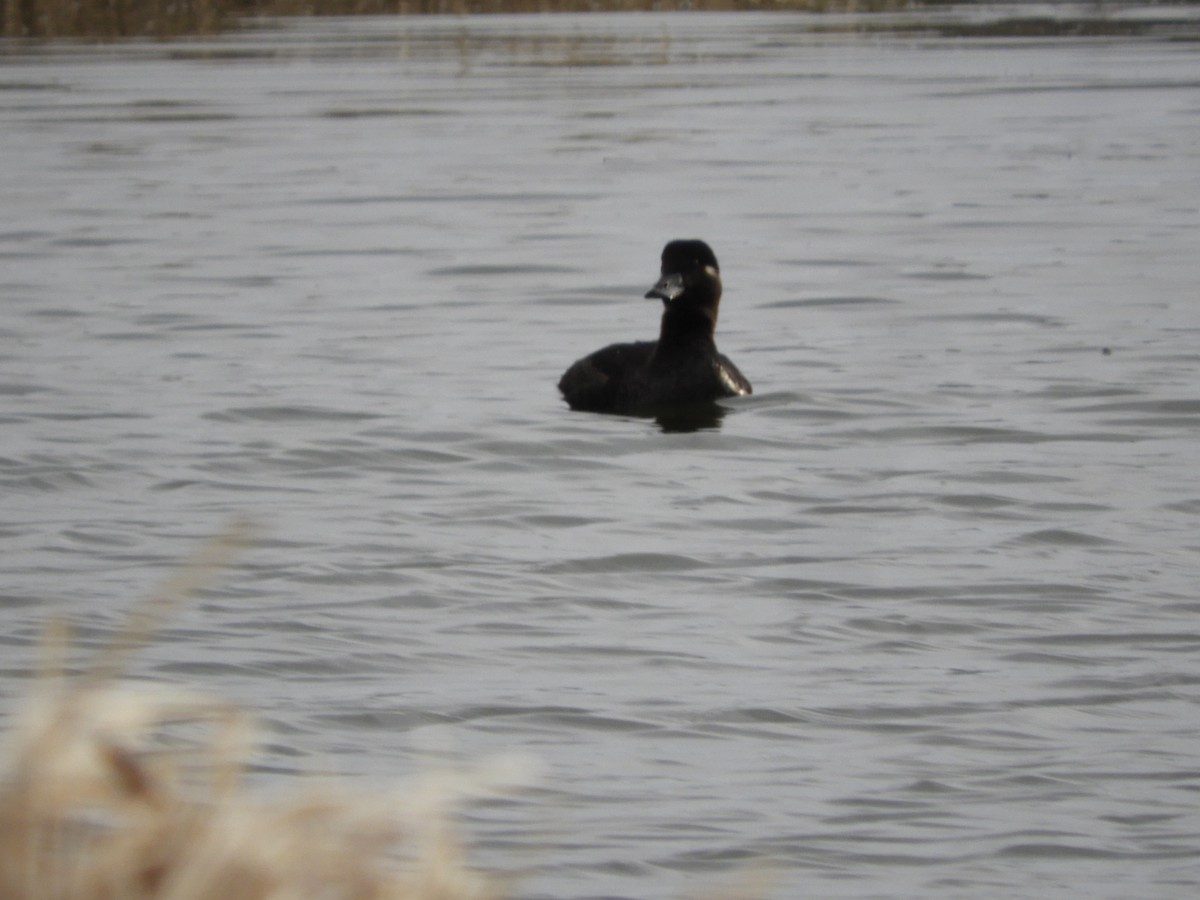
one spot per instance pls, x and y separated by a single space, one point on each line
477 7
112 793
115 19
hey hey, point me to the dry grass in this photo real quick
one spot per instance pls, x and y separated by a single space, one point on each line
111 19
114 19
110 793
474 7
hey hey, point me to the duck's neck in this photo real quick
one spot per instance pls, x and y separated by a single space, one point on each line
685 325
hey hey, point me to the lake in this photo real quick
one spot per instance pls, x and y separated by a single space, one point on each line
917 619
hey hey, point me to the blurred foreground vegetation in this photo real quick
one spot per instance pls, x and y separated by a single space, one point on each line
111 791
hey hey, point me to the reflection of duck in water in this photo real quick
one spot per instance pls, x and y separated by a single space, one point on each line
683 366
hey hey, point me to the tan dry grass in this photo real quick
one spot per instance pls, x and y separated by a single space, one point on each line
111 793
476 7
115 19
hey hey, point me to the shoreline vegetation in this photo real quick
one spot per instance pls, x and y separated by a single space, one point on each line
109 20
164 19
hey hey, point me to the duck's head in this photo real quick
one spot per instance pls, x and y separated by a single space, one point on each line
689 271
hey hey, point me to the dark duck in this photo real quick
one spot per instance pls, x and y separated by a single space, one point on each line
683 367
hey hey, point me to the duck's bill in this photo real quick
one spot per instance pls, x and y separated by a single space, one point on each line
668 288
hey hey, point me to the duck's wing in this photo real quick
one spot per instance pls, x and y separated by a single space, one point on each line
731 378
595 382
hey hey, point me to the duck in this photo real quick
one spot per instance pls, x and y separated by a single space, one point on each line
683 367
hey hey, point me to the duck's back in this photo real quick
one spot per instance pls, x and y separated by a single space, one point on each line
634 378
602 381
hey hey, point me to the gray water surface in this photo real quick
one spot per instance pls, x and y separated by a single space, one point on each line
918 619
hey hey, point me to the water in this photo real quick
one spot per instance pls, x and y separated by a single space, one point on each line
918 619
